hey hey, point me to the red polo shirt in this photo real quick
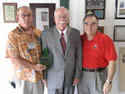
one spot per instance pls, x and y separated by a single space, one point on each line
98 51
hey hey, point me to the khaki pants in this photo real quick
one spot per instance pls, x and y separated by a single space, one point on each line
92 82
25 87
61 91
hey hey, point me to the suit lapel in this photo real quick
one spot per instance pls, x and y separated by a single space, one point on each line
68 44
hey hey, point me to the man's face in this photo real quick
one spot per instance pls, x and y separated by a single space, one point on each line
61 19
24 18
90 25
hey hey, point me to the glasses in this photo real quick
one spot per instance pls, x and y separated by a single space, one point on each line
90 24
24 15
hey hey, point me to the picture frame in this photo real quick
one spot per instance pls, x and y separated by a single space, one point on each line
122 68
9 12
96 7
120 9
101 29
43 15
119 33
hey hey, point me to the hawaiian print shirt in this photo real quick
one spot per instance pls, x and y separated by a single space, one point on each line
22 45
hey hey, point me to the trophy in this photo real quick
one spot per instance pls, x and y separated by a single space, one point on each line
46 58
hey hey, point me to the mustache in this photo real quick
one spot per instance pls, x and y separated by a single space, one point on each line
62 22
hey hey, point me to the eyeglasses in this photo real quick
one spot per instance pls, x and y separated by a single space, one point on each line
91 24
24 15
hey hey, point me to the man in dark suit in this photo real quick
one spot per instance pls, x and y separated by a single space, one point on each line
65 46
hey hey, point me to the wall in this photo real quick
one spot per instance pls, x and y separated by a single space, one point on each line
77 10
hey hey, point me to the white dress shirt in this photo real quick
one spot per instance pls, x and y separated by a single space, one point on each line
65 34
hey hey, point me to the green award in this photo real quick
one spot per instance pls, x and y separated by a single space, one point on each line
46 58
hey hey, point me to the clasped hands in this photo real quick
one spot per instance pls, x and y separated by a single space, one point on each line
39 67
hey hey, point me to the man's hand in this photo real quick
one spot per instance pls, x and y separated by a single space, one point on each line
107 88
111 71
76 81
45 82
39 67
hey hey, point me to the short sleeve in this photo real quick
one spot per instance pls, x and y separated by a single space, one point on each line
110 52
12 46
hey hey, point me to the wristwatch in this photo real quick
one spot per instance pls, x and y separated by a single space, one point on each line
109 81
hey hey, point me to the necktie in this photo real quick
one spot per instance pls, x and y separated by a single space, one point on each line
63 43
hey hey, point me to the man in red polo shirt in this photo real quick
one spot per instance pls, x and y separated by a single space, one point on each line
99 56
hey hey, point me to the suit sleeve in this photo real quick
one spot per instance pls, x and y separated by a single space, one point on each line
78 56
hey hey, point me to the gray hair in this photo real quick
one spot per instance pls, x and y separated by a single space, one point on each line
58 9
90 15
18 9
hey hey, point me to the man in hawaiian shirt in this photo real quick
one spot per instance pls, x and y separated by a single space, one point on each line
24 51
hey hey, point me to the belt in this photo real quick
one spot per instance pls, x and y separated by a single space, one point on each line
93 70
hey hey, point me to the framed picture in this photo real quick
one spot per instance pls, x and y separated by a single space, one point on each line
96 7
43 15
122 68
9 12
101 29
120 9
119 33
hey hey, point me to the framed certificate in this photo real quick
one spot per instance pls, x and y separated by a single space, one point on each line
119 33
9 12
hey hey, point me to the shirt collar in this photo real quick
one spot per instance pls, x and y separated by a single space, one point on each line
94 38
62 31
22 30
